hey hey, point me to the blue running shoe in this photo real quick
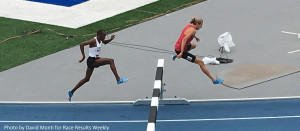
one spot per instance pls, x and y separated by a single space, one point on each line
122 80
173 57
218 81
70 95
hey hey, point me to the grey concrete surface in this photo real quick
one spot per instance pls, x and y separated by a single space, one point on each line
246 76
255 26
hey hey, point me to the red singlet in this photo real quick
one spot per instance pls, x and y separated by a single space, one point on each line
179 41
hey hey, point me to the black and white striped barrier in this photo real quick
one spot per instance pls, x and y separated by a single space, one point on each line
155 95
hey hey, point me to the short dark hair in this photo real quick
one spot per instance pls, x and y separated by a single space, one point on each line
99 32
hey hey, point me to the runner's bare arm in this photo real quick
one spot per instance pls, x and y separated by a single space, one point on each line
107 41
88 42
197 39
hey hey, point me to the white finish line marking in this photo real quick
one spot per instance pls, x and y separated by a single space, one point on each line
144 121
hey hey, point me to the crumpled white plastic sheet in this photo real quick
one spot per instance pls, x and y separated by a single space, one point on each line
225 40
212 61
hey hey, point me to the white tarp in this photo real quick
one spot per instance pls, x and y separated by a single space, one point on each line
212 61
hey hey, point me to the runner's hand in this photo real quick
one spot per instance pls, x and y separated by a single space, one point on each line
197 39
112 37
81 59
179 56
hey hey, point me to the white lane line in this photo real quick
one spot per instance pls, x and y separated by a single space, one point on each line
292 33
131 102
133 121
65 102
230 119
144 121
289 32
245 99
293 51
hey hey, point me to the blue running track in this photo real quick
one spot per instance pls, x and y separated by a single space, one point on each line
271 115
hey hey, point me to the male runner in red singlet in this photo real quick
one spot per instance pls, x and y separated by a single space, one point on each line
183 45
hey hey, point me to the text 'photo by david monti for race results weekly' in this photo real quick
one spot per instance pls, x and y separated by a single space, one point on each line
57 127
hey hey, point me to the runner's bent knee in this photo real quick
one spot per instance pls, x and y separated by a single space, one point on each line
111 61
193 46
199 61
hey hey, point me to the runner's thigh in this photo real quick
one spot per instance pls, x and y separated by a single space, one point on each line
103 61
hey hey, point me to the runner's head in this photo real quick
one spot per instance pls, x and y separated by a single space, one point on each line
101 34
197 22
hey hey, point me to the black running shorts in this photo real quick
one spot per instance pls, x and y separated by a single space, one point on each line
188 56
90 62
